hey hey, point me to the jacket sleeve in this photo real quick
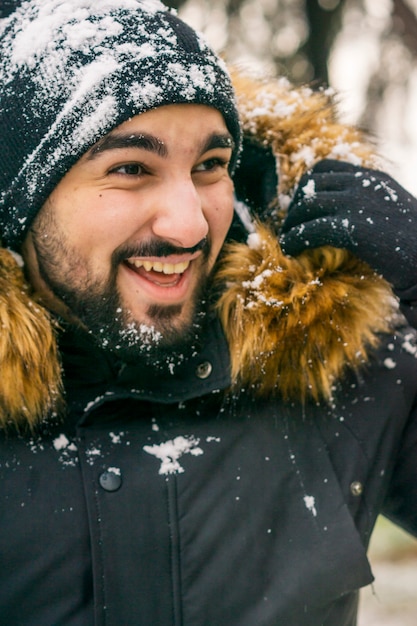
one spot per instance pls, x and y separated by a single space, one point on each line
401 502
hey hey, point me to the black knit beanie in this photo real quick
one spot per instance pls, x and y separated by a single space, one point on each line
72 70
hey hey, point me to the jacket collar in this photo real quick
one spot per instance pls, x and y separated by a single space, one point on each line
94 375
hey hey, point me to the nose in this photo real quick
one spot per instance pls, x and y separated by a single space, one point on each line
180 218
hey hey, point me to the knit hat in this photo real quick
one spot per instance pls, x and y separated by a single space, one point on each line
72 70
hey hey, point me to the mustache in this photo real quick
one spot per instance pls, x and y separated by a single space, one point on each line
157 248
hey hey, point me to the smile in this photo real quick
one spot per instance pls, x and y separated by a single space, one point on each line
158 266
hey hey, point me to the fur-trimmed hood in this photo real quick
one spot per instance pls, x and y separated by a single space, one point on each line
293 324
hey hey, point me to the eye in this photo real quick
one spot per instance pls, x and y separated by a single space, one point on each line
128 169
212 164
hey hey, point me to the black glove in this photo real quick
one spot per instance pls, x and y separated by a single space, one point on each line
362 210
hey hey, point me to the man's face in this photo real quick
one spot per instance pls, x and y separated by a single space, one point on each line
127 240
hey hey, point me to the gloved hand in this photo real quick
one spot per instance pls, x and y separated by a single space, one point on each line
362 210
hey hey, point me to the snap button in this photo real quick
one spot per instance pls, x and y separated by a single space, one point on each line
111 480
356 488
204 370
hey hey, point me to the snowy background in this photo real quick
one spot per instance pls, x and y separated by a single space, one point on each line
363 50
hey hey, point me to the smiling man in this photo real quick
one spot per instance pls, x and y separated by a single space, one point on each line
196 429
127 240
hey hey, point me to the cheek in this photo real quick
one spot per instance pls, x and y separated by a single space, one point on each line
220 213
98 222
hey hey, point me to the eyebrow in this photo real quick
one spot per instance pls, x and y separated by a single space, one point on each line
218 140
143 141
118 141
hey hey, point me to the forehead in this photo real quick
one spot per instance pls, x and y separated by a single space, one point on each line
171 112
154 130
192 119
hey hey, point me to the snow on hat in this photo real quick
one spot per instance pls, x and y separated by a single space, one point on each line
72 70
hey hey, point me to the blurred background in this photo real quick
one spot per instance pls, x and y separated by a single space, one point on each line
367 51
392 599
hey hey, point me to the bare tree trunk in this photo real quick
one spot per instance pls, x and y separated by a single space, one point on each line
324 25
404 24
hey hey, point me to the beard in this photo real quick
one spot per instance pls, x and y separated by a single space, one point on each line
166 338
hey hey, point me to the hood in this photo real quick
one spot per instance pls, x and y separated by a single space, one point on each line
293 324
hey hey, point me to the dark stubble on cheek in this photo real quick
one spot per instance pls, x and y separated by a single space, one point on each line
96 303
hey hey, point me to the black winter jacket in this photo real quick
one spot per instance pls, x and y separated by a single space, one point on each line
173 502
240 487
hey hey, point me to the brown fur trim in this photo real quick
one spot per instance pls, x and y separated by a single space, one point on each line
295 324
30 372
299 124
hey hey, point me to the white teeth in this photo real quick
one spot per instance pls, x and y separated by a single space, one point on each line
158 266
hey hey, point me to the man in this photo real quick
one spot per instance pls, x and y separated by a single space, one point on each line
232 419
